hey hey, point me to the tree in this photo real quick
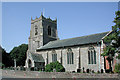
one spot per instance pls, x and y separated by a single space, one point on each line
6 60
19 53
117 68
113 40
54 65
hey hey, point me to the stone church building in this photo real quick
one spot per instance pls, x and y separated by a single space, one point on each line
75 53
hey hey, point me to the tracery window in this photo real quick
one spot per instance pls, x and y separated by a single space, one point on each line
70 56
54 56
91 55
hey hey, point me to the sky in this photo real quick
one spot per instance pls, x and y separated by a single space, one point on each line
74 19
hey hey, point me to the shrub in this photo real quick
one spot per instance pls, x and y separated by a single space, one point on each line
54 65
2 65
93 71
98 71
117 68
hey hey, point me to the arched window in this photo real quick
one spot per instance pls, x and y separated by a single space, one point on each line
88 57
36 30
94 57
47 58
49 30
29 63
91 55
54 56
70 57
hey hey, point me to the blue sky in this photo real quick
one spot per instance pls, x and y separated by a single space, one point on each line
74 19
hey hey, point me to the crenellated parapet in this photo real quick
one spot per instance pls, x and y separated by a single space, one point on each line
42 18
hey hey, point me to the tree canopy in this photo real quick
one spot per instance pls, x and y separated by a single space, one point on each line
114 38
19 53
112 41
5 57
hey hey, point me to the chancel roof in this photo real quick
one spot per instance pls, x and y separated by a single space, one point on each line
94 38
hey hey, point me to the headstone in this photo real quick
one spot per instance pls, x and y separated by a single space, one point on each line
83 70
18 68
54 70
101 70
87 71
79 70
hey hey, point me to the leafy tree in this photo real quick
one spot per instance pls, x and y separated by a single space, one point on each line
5 57
19 53
54 65
113 40
117 68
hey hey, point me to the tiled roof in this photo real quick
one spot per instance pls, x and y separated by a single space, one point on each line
74 41
37 57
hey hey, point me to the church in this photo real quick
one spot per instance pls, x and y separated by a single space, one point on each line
82 53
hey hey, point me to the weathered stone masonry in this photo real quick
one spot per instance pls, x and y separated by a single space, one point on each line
85 52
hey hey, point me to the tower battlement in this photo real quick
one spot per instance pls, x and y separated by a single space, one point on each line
42 18
43 30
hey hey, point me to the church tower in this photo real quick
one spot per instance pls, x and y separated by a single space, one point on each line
43 30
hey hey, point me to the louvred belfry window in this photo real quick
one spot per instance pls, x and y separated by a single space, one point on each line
36 30
49 30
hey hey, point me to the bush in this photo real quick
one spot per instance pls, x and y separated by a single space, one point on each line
54 65
2 65
117 68
98 71
93 71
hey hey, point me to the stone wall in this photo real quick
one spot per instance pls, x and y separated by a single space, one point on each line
81 51
34 74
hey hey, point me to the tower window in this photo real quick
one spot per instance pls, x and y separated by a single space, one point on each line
38 44
36 30
49 30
